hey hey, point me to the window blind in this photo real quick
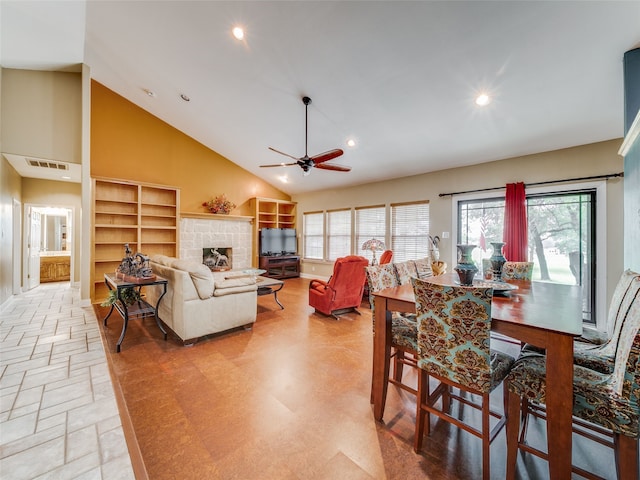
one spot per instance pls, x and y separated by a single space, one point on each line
338 233
313 236
409 231
370 223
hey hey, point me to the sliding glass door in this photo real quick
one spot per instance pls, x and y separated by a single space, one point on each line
561 237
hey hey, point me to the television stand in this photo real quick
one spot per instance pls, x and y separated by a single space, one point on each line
280 266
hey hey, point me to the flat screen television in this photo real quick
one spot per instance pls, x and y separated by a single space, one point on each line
278 241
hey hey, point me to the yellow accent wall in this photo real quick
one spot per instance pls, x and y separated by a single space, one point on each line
131 144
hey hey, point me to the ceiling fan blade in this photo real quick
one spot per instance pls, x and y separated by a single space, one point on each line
337 168
326 156
280 165
282 153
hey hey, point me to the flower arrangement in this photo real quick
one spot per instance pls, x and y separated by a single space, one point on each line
220 204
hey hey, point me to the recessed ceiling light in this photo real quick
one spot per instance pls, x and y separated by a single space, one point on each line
66 177
284 179
351 142
149 92
238 32
483 99
184 97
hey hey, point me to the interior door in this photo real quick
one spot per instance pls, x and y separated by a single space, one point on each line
33 249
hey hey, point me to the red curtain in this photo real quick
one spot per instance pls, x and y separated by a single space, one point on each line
515 223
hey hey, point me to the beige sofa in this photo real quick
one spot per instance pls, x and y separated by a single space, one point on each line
199 302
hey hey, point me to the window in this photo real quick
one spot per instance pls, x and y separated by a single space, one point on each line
370 223
409 231
562 236
338 234
313 235
406 236
479 223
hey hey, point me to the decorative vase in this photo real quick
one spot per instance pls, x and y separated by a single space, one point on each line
497 260
466 268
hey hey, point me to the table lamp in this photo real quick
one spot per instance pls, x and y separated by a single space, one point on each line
374 245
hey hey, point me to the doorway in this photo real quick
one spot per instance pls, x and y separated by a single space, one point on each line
48 245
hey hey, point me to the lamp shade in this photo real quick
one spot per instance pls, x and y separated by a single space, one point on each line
374 245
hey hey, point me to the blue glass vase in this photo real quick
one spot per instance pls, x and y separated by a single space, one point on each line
497 260
466 268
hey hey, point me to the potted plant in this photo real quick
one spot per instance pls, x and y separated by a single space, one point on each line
129 296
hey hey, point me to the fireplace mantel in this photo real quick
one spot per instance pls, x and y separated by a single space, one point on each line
217 216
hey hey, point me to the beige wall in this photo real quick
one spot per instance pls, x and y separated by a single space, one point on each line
131 144
10 189
48 193
41 114
583 161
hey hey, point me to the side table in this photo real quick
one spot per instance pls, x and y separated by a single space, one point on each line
140 308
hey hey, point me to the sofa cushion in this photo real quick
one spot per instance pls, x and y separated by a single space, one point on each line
234 282
200 275
162 260
221 292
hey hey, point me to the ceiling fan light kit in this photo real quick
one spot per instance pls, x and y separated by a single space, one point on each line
307 162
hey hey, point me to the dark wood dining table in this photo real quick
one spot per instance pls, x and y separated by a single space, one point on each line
547 315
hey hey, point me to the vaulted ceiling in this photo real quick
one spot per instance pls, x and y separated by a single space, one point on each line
399 78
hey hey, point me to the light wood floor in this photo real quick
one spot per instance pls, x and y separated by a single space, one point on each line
289 399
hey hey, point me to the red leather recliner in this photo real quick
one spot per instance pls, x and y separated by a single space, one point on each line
386 257
344 289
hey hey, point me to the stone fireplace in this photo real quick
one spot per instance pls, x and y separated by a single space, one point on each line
230 235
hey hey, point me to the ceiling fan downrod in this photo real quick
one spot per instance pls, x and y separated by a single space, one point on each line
306 101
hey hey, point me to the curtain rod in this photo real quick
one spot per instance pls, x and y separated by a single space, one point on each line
598 177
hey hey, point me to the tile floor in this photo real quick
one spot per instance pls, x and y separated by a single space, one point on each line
58 414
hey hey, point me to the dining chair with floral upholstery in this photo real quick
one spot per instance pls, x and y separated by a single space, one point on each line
598 337
604 402
602 357
517 271
487 269
406 271
453 347
423 267
403 326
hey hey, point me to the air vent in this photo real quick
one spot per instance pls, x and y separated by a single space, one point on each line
47 164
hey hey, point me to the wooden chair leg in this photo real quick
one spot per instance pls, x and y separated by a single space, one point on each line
524 418
446 399
486 434
626 454
512 427
421 399
398 366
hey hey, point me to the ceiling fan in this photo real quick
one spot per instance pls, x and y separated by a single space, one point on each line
307 162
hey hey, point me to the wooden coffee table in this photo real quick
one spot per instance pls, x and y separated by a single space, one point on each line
267 286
